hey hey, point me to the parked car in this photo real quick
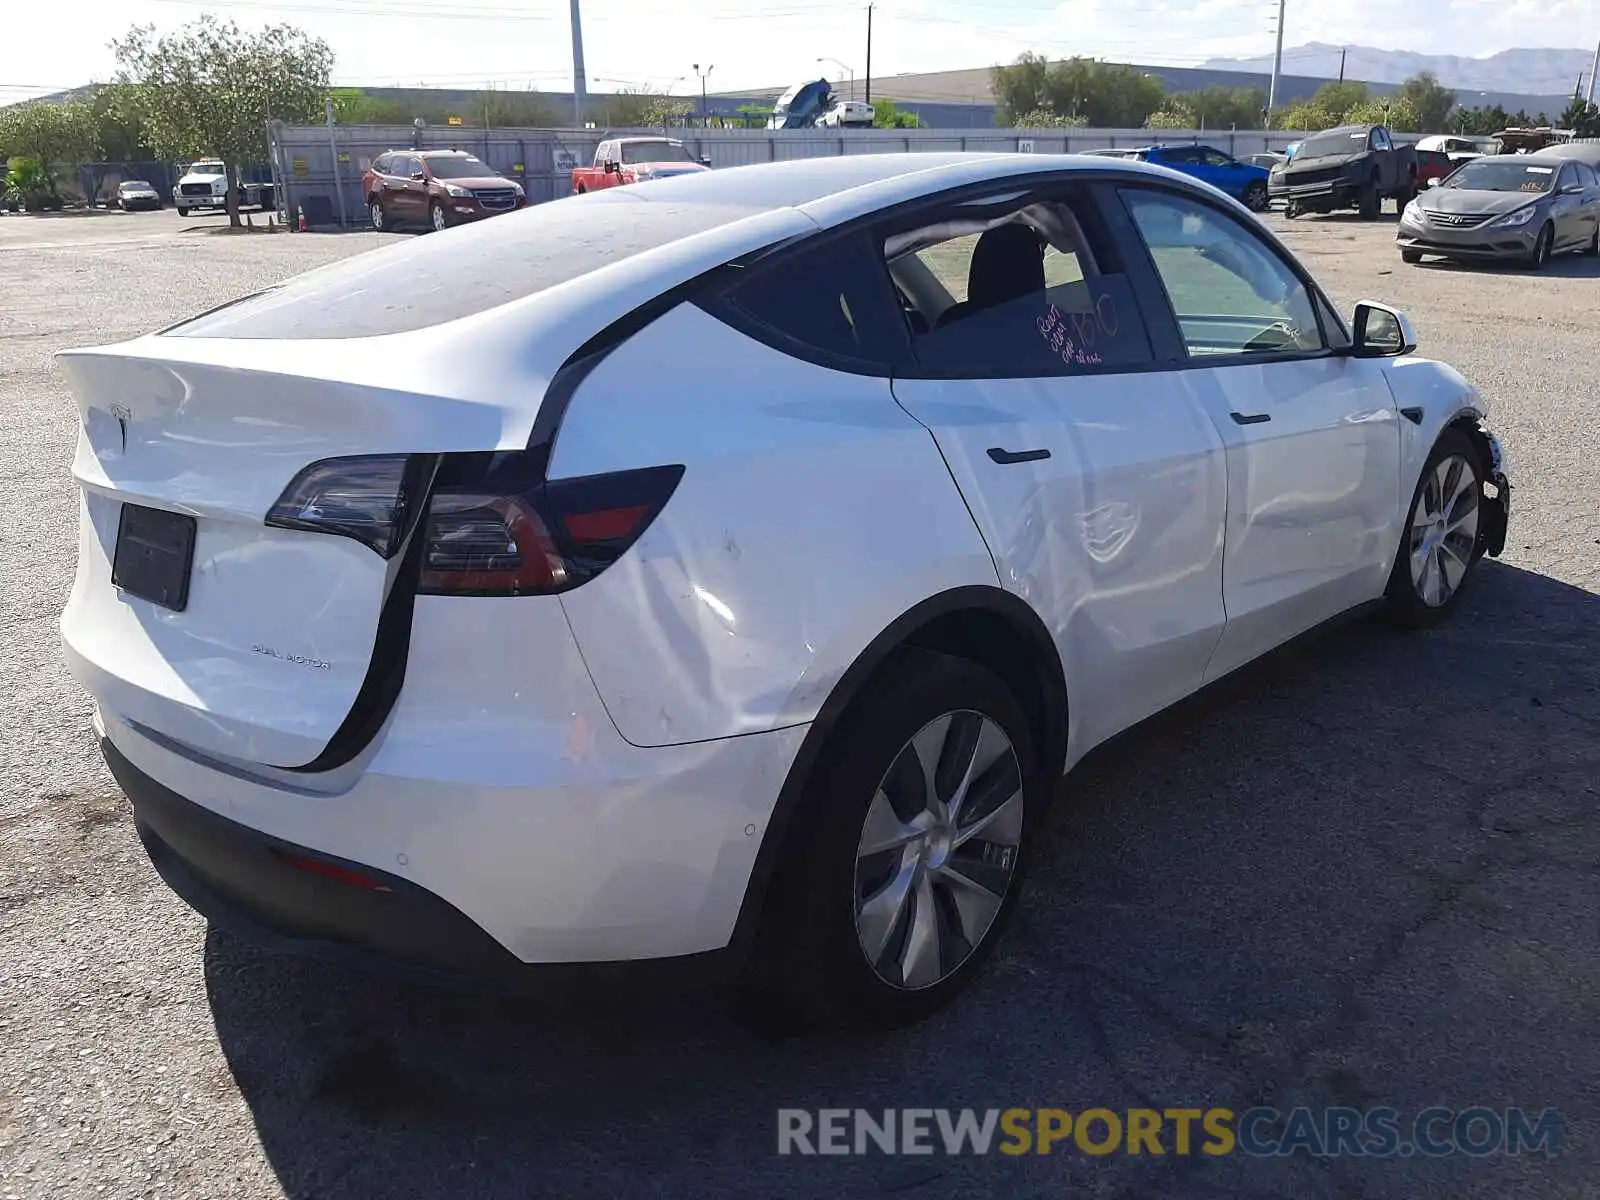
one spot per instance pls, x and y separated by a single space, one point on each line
716 577
1584 152
848 114
135 194
1433 167
1268 159
1351 166
204 186
1457 149
619 161
1245 182
1523 207
437 188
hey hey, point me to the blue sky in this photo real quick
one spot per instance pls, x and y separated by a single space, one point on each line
525 43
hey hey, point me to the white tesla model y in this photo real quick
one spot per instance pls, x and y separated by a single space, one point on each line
715 576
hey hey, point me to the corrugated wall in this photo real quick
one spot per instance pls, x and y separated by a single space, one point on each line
321 168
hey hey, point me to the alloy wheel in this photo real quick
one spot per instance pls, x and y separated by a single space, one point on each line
438 219
377 216
938 849
1255 197
1444 530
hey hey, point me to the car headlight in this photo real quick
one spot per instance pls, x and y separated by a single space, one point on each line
1412 212
455 189
219 187
517 188
1520 217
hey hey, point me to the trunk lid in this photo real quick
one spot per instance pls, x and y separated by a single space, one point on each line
267 657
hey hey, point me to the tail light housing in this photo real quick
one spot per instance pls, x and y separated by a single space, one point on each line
494 527
370 498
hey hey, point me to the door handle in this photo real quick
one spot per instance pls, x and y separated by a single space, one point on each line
1007 457
1240 418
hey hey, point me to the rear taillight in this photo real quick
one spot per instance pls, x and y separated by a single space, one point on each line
371 498
493 528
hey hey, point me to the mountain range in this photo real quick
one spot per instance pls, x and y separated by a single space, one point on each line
1543 72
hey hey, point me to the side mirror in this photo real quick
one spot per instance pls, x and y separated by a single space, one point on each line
1572 189
613 168
417 176
705 160
1382 332
1435 181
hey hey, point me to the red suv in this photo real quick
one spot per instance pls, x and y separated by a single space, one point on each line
435 187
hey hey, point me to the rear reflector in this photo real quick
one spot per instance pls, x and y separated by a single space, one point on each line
494 528
333 871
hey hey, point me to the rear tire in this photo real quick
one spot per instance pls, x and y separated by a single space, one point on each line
1255 197
1369 204
183 212
856 938
1443 538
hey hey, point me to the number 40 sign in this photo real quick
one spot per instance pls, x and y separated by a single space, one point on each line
1024 145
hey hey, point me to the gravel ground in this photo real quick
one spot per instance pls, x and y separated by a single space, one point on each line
1364 873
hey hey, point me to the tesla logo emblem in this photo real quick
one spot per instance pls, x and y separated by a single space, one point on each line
123 416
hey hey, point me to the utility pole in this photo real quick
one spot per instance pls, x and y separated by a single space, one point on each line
580 89
703 75
869 54
1277 67
1343 51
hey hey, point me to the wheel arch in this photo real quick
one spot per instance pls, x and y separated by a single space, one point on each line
984 624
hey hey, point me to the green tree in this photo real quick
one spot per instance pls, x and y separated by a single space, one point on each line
51 134
1308 117
1394 111
1337 99
1222 107
352 106
1480 121
1175 115
1019 88
1582 118
887 115
1043 118
644 108
211 88
1431 102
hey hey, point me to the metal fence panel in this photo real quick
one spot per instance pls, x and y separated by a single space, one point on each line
321 167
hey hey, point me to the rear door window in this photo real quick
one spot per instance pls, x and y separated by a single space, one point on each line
1022 286
827 299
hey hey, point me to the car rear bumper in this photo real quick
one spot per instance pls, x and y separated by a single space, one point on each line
499 813
294 900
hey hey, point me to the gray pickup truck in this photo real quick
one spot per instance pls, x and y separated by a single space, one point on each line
1352 166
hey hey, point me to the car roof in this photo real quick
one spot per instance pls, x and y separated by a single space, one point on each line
1585 152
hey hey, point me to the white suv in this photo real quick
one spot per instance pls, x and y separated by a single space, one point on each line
717 576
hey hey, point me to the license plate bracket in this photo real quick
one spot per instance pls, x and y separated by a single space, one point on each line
154 555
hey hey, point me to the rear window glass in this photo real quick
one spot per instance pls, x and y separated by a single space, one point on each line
432 279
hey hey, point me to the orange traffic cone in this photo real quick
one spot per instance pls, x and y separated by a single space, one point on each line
300 219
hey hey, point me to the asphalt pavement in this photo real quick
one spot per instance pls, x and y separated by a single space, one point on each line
1363 873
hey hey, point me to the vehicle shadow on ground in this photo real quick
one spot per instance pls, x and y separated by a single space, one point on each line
1568 266
1339 879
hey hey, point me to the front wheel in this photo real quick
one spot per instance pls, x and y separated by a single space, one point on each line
380 222
1593 248
1255 197
1411 256
183 212
1442 541
436 213
910 857
1291 210
1541 248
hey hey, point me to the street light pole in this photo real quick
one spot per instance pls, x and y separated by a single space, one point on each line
845 67
1277 67
703 74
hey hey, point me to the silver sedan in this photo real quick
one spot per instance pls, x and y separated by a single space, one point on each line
1517 207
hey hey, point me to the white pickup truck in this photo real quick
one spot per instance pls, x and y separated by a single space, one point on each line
205 186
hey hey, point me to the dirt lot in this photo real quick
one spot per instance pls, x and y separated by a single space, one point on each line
1366 874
